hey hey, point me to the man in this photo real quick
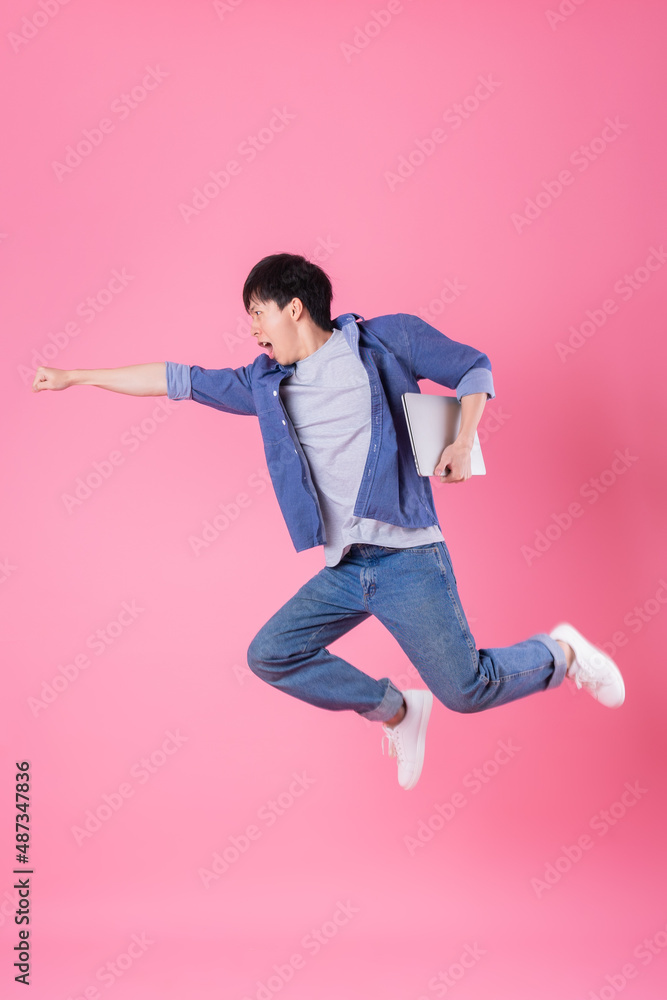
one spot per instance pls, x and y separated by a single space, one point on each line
328 398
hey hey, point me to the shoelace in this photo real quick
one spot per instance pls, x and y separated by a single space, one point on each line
394 742
591 675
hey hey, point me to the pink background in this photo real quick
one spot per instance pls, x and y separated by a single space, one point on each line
320 187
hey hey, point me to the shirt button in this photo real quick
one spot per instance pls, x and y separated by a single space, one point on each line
275 392
283 421
296 452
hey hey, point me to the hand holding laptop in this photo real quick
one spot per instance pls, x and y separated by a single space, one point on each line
434 422
454 465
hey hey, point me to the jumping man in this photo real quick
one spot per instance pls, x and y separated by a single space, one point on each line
327 394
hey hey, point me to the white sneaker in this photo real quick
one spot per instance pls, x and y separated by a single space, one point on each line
591 668
407 740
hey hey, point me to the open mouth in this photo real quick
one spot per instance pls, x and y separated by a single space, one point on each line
267 343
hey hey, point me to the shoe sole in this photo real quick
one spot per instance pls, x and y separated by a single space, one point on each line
567 633
427 705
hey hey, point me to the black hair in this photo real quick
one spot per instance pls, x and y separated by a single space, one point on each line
283 276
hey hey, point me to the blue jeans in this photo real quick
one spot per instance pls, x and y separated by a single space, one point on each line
413 593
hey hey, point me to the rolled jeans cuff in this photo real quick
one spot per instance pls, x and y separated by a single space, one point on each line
560 660
388 707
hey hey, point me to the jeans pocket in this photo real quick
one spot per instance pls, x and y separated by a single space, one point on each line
444 551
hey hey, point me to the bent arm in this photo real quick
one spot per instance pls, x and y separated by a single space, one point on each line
433 355
135 380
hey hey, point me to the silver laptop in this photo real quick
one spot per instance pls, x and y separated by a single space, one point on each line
433 422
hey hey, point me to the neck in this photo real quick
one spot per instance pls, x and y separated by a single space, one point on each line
311 338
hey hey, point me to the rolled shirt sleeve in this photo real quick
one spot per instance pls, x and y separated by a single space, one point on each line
179 385
476 380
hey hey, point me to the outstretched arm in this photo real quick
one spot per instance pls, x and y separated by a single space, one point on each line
135 380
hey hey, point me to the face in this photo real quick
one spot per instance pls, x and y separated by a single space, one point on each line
275 330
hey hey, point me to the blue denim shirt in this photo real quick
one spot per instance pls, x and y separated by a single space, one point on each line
396 350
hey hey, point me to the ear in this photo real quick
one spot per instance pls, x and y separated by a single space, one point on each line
296 308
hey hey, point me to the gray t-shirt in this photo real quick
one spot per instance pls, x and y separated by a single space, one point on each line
328 400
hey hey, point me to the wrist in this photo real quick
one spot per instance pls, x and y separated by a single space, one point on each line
465 441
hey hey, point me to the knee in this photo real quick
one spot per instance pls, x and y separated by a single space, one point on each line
464 689
461 704
263 655
464 702
257 654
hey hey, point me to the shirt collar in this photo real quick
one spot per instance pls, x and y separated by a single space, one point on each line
347 322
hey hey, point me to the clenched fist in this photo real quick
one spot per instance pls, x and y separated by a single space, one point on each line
51 378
